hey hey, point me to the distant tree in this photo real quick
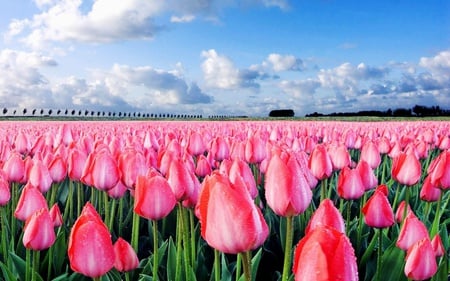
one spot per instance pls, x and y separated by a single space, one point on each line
42 112
80 112
14 112
34 111
24 111
5 110
58 112
66 112
282 113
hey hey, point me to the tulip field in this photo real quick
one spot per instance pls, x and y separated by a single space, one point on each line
224 200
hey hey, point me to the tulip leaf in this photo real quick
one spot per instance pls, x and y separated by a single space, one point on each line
393 261
226 274
6 272
19 264
255 264
442 272
171 260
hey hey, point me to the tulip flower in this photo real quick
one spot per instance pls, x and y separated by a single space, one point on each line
378 211
76 160
438 246
5 193
439 170
339 156
57 169
420 260
30 201
320 163
225 209
101 170
240 169
326 215
406 169
125 256
429 192
325 254
350 185
56 216
38 233
368 177
219 149
255 149
153 198
180 179
131 164
370 154
14 167
196 146
400 213
203 167
411 231
90 248
39 175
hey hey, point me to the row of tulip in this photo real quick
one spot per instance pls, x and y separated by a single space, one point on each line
224 200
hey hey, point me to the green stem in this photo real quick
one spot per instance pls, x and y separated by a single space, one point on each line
80 198
405 210
96 278
4 232
323 189
106 208
155 250
112 214
288 248
68 206
27 264
35 270
186 244
120 216
437 216
135 232
216 265
247 264
14 199
193 237
380 253
179 240
238 266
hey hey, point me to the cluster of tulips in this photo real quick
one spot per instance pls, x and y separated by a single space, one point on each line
260 200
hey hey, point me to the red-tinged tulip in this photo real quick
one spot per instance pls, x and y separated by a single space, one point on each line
371 154
420 260
76 161
240 169
412 231
406 169
57 169
439 170
38 232
90 248
131 164
368 177
101 170
30 200
339 155
180 179
395 150
118 191
378 211
14 167
384 145
302 159
153 197
325 254
438 246
350 185
203 167
429 192
196 146
326 215
5 192
286 189
219 149
126 257
64 135
224 210
320 163
255 149
39 175
444 143
55 214
401 211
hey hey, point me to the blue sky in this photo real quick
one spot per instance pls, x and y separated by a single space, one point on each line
224 57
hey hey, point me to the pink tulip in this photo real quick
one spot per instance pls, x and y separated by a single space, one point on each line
339 156
350 185
101 170
378 211
240 170
55 215
180 179
14 167
38 233
286 189
406 169
368 177
125 256
439 170
420 260
370 154
5 193
326 215
90 248
320 163
131 164
325 254
30 201
412 231
429 192
224 210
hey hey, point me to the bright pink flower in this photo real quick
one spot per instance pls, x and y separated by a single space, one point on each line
378 211
90 248
56 216
131 164
224 210
439 170
401 211
118 191
30 200
412 231
5 193
326 215
384 145
180 179
126 257
14 167
38 232
101 170
325 254
255 149
240 169
153 197
203 167
196 145
76 160
219 149
370 154
320 163
438 246
350 185
368 177
286 189
420 260
429 192
406 169
39 175
339 155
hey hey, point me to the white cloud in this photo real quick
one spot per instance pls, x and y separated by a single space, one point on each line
182 19
219 71
284 62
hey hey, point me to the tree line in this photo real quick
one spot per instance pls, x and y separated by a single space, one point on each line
416 111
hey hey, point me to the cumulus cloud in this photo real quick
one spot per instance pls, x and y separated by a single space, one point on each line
103 21
284 62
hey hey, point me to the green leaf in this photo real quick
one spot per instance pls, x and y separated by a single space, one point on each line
171 260
226 274
19 264
393 261
7 273
255 264
442 272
